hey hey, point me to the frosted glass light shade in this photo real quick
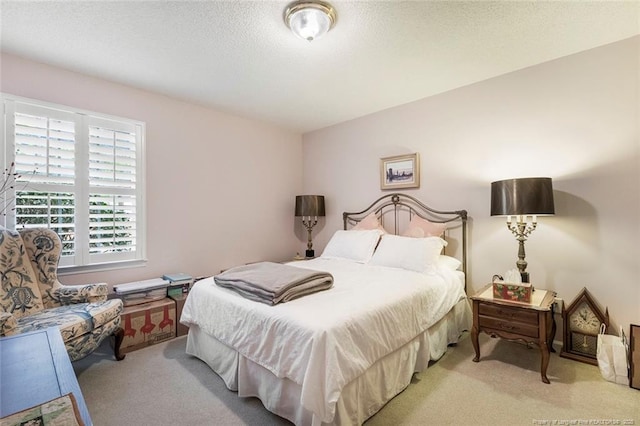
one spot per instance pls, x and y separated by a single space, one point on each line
309 20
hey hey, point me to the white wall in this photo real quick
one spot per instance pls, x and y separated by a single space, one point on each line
574 119
220 189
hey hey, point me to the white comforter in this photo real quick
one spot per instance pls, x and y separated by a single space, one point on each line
325 340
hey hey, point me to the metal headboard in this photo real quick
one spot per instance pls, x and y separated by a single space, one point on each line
398 205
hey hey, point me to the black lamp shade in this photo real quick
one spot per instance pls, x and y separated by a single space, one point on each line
524 196
309 205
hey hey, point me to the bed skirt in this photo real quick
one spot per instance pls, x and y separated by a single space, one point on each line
359 399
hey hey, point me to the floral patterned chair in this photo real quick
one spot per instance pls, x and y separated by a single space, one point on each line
32 298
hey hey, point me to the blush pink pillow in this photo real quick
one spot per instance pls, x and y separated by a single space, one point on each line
368 223
419 228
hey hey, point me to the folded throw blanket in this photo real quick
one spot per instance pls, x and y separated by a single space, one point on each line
272 283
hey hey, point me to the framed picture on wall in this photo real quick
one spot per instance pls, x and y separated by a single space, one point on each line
401 171
634 356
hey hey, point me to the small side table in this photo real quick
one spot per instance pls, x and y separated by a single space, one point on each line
35 369
528 322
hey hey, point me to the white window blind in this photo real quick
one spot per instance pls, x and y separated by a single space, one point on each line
79 174
112 183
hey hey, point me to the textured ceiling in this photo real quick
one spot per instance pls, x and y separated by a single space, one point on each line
239 57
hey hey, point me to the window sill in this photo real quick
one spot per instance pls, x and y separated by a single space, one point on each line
73 270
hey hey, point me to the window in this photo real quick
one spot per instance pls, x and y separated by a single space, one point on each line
78 173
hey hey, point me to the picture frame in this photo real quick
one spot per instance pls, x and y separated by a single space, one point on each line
400 171
634 356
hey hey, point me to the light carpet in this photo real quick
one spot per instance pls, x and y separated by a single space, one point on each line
162 385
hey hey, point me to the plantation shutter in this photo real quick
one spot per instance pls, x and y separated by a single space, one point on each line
79 174
44 164
112 188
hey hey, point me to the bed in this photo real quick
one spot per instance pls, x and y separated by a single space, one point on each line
337 356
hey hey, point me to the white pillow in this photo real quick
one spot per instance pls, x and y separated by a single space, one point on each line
413 254
352 245
449 262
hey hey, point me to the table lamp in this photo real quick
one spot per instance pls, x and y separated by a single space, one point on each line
525 199
309 207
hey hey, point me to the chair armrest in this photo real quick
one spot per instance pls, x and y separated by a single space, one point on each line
7 324
87 293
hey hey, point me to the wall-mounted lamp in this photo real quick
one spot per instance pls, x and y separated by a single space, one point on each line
309 20
525 199
309 207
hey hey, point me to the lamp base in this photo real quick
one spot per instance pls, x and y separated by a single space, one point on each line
310 253
525 277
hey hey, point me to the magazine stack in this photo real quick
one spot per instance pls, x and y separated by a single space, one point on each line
139 292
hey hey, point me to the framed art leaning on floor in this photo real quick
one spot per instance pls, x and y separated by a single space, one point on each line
634 356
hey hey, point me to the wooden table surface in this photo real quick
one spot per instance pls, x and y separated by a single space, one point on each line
35 368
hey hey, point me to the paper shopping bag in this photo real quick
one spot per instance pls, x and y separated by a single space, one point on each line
612 355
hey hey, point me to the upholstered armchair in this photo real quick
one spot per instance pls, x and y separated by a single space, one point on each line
32 298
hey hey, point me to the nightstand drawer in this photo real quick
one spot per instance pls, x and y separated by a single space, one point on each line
507 313
510 326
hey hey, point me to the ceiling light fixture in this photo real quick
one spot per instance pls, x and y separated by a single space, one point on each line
310 20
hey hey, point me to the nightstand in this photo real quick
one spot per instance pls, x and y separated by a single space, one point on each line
304 259
528 322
